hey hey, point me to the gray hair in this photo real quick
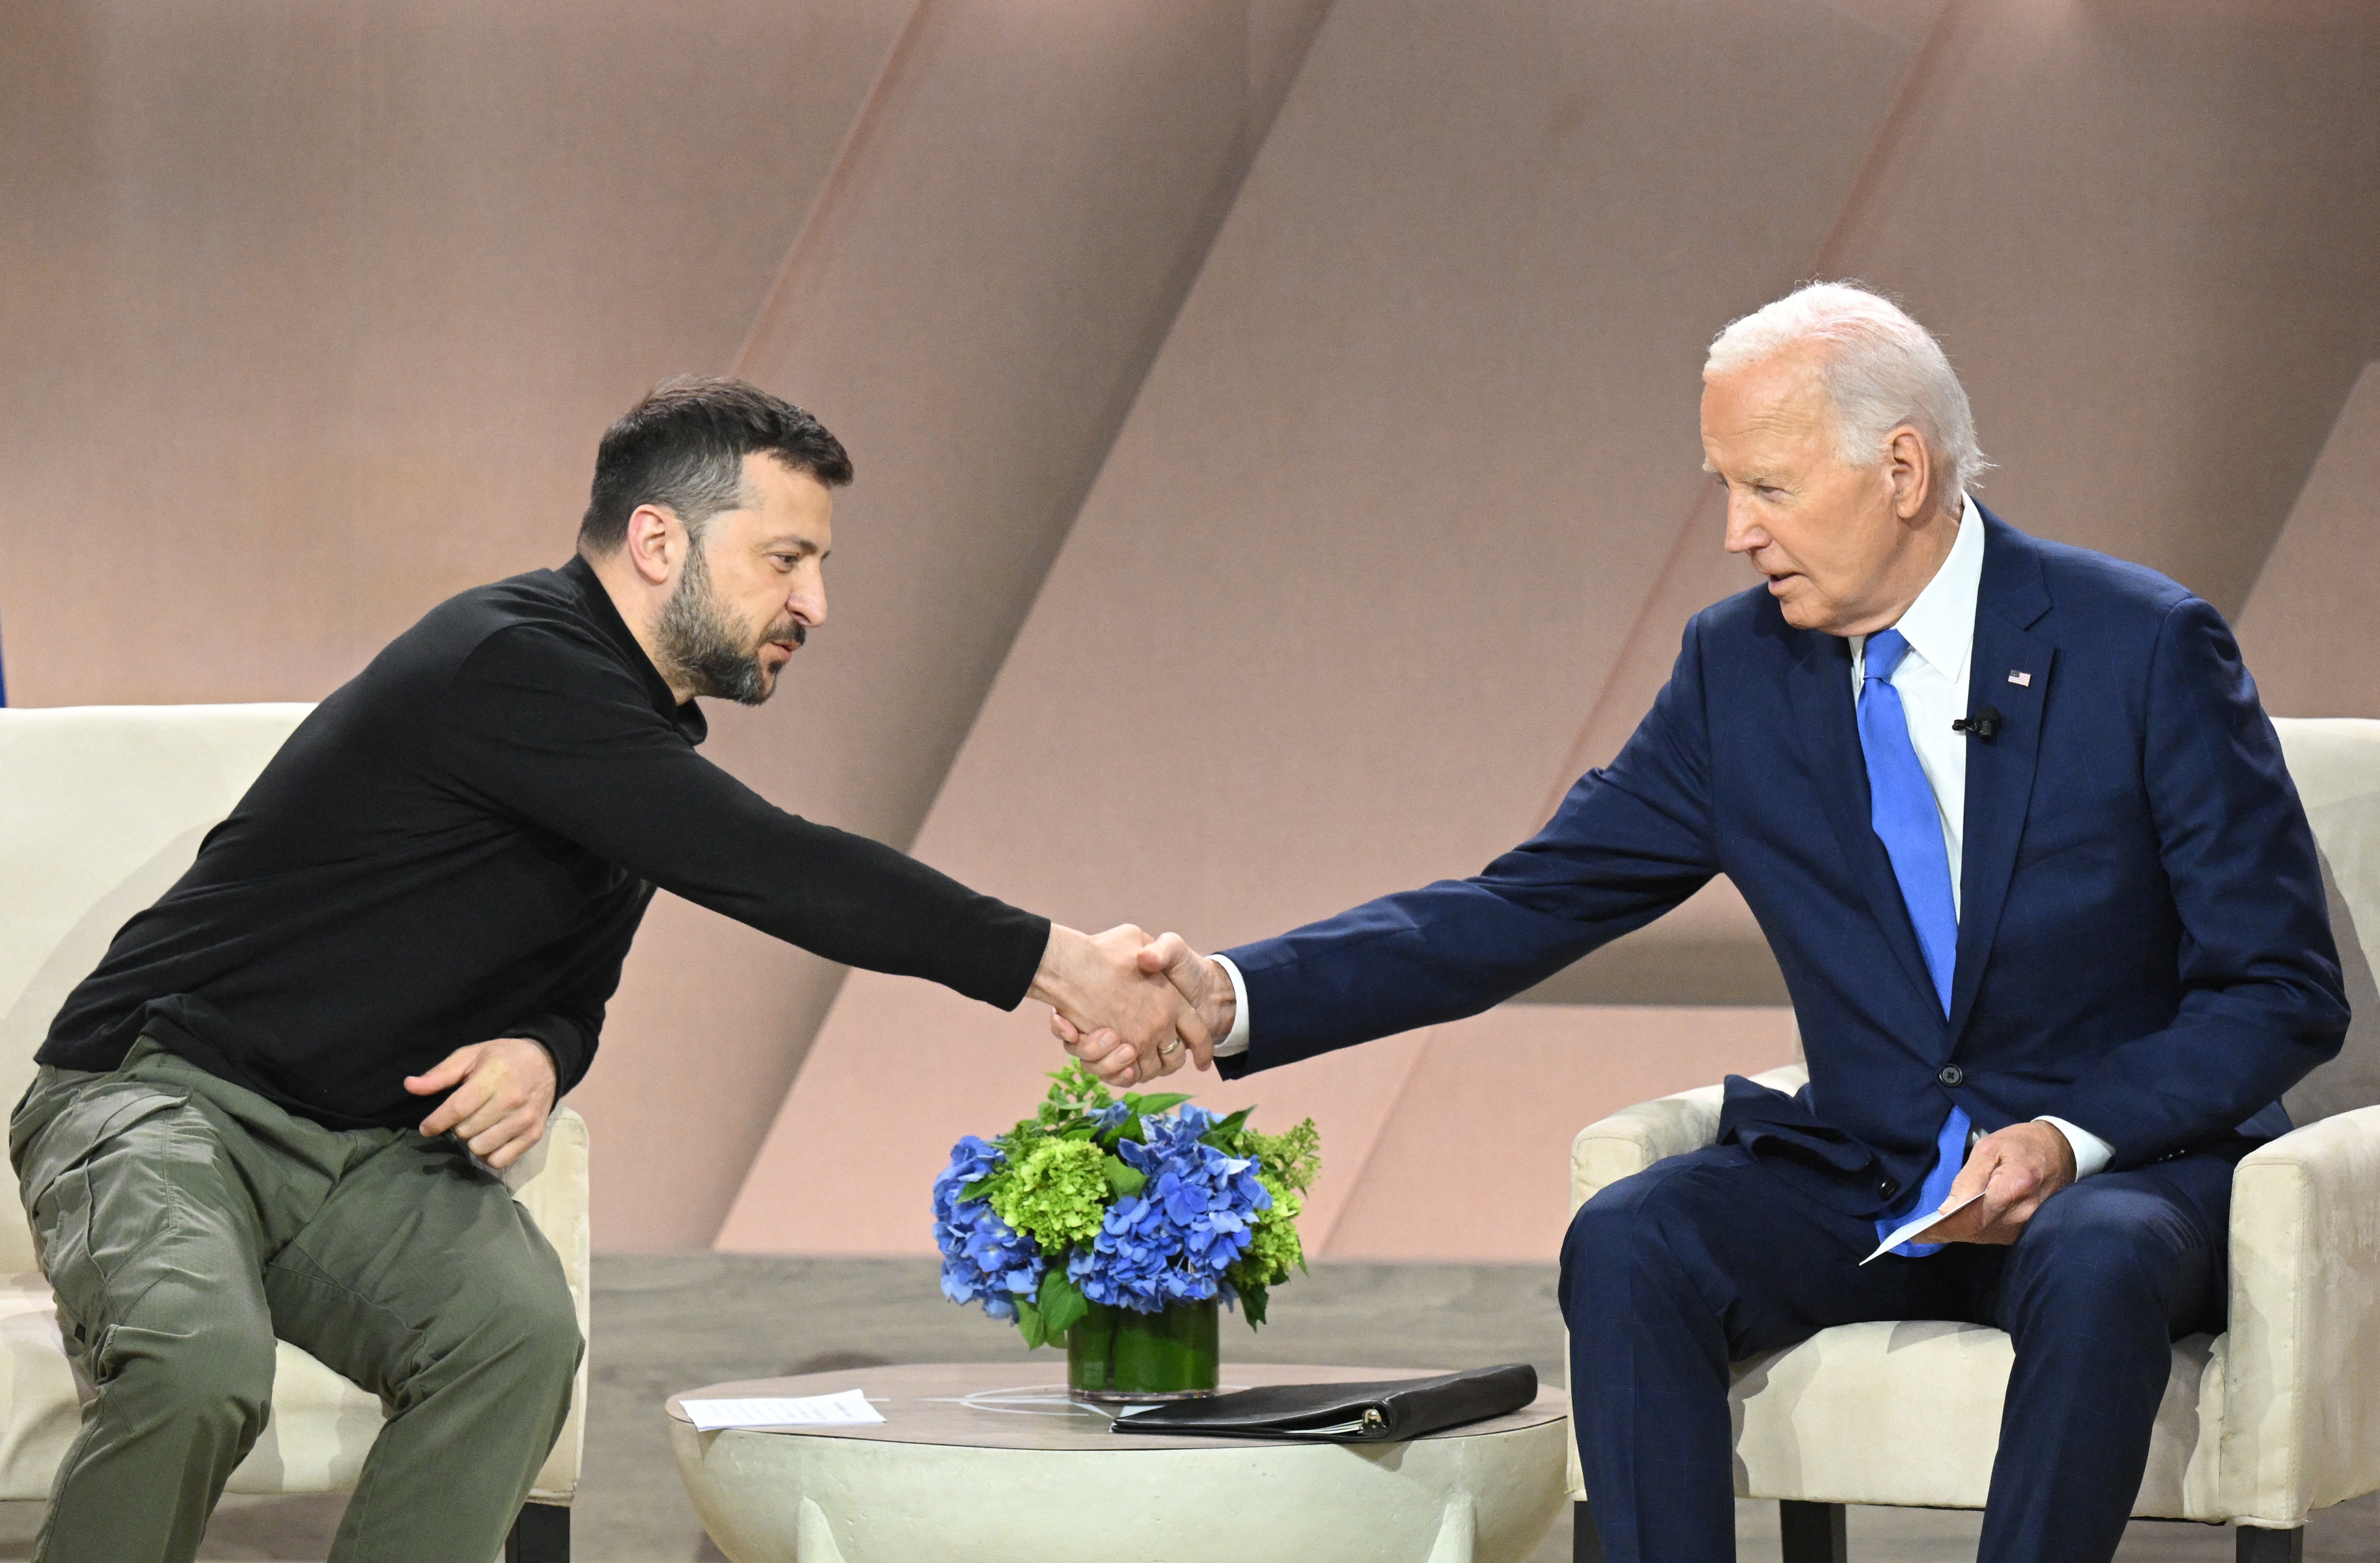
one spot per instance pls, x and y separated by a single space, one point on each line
1881 370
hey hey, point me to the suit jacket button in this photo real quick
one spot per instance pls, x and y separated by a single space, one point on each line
1885 1187
1952 1074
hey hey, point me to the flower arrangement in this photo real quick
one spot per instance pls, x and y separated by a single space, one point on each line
1136 1204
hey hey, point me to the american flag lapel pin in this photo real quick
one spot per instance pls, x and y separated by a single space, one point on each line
2022 680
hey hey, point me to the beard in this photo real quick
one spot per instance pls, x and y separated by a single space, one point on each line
708 648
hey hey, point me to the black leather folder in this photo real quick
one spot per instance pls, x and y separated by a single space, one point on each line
1353 1413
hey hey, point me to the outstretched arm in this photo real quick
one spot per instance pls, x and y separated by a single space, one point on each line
1627 844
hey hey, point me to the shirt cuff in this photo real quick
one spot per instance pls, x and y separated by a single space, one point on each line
2092 1154
1237 1042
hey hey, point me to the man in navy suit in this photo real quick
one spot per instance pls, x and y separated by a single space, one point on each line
2020 834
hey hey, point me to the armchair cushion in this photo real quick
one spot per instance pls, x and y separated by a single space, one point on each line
1906 1414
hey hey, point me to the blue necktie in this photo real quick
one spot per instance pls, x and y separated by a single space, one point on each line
1909 822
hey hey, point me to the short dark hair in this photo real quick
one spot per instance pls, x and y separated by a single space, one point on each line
684 446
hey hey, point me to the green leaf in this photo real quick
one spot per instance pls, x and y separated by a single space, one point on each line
1125 1179
1029 1324
1226 1129
1252 1302
1159 1102
1062 1303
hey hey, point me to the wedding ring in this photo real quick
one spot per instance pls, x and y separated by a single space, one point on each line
1169 1047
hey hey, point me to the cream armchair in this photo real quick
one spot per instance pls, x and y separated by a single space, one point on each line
2275 1418
101 810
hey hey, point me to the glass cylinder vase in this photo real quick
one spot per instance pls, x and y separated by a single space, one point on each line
1117 1354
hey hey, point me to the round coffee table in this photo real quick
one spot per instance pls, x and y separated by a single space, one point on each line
990 1462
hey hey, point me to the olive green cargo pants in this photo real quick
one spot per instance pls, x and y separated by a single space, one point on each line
185 1223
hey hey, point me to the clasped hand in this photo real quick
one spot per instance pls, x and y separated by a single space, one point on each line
1131 1007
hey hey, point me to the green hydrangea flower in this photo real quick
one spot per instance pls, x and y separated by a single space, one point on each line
1057 1193
1273 1249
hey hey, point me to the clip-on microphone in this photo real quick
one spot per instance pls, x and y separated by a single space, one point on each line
1983 724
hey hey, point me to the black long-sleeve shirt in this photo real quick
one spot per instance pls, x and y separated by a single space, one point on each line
459 845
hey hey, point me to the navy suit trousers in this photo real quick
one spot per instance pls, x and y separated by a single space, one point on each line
1709 1258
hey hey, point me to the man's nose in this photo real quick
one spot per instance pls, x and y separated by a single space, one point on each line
1745 534
808 603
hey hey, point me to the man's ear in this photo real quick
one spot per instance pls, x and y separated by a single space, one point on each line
655 544
1910 467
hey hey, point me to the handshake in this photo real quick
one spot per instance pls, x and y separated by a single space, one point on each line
1131 1007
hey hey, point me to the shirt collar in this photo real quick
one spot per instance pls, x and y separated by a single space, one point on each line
688 718
1940 625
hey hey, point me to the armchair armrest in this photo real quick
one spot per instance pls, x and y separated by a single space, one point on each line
2301 1374
1636 1137
550 1182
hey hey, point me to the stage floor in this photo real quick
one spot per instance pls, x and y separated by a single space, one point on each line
664 1322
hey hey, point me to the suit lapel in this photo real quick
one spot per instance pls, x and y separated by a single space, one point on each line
2001 769
1828 724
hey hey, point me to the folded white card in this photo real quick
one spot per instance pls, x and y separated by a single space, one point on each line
1909 1229
849 1409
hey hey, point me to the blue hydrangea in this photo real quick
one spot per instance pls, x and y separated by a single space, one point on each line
1172 1240
983 1259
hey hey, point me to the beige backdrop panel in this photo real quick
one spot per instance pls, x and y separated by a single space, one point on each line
971 307
2307 631
1429 569
2149 237
315 314
314 311
1375 528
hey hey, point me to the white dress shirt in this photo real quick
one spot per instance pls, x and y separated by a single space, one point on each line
1932 680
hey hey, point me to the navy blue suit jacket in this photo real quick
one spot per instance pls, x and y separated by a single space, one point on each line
2143 948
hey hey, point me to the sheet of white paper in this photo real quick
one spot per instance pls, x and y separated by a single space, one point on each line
1909 1229
846 1409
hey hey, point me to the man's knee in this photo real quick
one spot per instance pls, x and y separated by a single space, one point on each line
209 1374
1628 1230
2103 1248
524 1325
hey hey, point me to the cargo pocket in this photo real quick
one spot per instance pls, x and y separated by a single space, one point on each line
99 1191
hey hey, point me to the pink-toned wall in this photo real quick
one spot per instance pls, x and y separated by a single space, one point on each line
1276 442
1374 524
1447 359
313 311
970 304
2307 630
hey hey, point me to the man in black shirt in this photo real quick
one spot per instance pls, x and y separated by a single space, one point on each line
254 1118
